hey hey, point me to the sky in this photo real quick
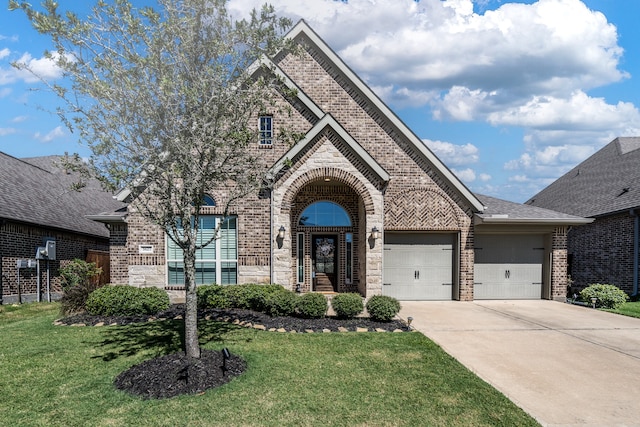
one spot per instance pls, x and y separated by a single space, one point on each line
510 94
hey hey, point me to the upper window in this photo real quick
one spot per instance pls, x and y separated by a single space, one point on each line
325 214
266 130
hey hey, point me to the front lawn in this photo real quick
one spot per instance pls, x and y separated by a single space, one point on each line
628 309
63 376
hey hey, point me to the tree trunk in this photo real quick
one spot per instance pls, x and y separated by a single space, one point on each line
191 344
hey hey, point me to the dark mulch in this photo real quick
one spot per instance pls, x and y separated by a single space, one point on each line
176 374
247 317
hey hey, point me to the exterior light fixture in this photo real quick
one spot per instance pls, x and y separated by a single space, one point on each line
593 302
281 232
327 179
375 233
409 320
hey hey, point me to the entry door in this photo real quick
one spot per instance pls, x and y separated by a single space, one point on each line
325 266
418 266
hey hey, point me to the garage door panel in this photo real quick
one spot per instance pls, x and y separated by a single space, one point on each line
509 267
418 266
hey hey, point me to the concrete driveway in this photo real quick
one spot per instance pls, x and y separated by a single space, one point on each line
564 365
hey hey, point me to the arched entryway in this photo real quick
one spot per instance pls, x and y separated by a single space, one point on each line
327 234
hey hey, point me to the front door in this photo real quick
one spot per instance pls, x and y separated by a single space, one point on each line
325 268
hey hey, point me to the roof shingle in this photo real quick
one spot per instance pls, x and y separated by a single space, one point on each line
34 190
607 182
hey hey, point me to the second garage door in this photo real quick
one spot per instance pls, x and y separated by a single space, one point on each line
418 266
508 266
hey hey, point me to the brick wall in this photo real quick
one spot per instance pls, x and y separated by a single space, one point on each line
602 252
19 241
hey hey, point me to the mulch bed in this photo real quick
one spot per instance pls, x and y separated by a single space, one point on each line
175 374
246 318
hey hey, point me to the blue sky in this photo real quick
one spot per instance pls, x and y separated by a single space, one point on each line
509 94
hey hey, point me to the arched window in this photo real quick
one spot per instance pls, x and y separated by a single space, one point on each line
325 214
207 200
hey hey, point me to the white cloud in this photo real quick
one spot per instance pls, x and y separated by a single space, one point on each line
44 68
19 119
7 131
4 92
4 53
453 154
53 134
465 175
484 177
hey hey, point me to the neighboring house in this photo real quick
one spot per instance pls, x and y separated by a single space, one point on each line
360 204
37 205
605 187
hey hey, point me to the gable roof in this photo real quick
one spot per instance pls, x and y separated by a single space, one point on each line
605 183
35 191
500 211
303 30
329 121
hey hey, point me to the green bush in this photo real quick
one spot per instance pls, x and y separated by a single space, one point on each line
249 296
347 306
123 300
280 303
312 306
382 308
213 296
608 296
77 283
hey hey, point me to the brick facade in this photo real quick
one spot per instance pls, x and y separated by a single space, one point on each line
602 252
411 194
19 241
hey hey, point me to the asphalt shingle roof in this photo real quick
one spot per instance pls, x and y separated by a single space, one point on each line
607 182
505 211
34 190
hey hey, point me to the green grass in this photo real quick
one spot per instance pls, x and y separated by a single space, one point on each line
628 309
63 376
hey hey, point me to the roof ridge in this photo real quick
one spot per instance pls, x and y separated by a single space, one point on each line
26 162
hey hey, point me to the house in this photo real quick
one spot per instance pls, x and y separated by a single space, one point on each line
359 204
38 206
606 188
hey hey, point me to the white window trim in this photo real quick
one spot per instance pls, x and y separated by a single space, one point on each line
348 279
265 142
218 261
299 260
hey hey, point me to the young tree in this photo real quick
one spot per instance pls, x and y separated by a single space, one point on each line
163 97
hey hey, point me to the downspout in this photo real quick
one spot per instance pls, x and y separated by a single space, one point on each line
636 250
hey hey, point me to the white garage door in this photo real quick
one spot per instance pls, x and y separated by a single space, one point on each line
418 266
508 266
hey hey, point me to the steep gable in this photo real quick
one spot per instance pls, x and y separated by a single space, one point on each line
607 182
320 75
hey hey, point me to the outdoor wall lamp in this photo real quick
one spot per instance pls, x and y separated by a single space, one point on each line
281 231
375 233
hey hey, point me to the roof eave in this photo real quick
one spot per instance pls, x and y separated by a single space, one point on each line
106 218
478 220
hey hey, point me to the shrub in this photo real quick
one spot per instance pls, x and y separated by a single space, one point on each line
123 300
280 303
212 296
312 306
382 308
608 296
77 284
347 305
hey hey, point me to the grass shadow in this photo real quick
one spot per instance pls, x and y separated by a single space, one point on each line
158 338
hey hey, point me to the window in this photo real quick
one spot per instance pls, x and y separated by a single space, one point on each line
300 257
266 131
215 263
325 214
349 251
